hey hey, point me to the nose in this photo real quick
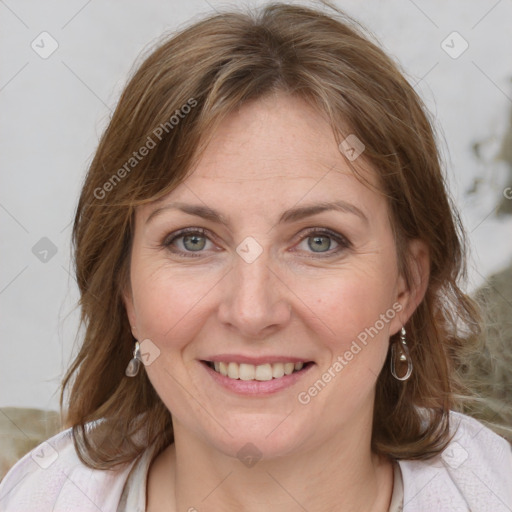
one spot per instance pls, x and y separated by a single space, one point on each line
254 299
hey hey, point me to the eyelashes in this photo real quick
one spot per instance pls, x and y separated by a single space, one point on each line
194 242
318 235
192 234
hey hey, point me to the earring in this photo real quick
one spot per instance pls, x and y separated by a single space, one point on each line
400 357
133 366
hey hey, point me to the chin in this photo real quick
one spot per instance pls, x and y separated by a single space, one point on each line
259 436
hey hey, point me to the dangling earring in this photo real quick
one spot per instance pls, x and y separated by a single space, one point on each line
133 366
400 357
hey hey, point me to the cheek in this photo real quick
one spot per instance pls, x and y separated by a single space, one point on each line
167 300
356 310
350 302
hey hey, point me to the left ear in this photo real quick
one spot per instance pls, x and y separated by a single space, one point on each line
410 293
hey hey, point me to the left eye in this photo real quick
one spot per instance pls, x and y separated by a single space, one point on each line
320 242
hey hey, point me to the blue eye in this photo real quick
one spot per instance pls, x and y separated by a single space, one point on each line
319 243
187 240
323 242
194 242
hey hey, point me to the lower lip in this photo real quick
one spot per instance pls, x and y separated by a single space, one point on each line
257 387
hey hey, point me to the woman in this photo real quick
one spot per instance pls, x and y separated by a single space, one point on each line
265 228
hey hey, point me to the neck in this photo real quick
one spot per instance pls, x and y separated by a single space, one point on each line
341 474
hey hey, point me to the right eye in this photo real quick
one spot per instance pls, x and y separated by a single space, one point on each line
187 241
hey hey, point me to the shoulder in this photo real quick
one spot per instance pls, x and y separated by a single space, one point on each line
474 472
52 477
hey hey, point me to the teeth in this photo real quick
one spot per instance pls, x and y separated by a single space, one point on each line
277 370
263 372
288 368
246 371
233 370
260 372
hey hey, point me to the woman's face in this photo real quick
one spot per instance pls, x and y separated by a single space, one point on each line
287 259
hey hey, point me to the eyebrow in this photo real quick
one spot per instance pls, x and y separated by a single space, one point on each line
298 213
291 215
200 211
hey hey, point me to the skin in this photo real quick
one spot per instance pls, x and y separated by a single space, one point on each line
272 155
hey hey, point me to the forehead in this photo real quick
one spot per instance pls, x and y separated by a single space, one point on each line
278 135
276 150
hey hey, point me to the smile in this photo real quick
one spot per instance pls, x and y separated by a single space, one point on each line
255 376
261 372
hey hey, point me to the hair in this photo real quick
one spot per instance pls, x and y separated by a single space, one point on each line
172 103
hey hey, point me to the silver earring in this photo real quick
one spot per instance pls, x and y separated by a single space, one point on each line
133 366
400 357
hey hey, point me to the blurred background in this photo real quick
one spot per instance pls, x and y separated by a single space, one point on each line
63 66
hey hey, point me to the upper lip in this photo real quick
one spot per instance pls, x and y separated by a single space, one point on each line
240 358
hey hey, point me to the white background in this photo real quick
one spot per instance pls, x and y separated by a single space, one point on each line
55 109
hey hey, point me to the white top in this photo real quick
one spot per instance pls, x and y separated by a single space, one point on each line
473 474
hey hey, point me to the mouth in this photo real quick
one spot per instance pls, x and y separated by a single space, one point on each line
260 372
256 380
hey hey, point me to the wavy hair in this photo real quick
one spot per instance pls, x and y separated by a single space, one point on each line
216 65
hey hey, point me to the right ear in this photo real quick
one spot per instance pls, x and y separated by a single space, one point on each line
130 310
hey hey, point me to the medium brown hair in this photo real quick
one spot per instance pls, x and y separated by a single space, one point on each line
216 65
